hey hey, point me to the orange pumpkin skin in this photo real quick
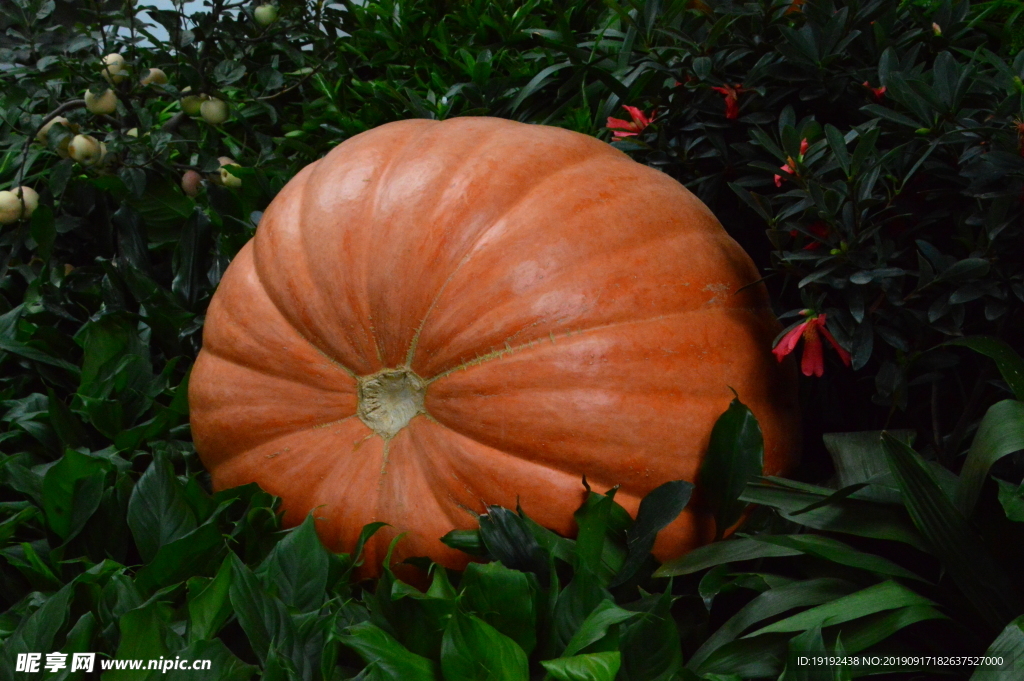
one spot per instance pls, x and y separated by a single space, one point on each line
542 306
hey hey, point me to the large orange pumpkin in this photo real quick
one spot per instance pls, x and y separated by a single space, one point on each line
439 316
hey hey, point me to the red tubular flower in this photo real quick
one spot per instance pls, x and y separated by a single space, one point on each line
732 97
876 92
630 128
786 169
811 330
803 147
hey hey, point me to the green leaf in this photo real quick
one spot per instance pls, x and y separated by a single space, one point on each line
184 556
1001 432
509 540
717 553
836 551
587 667
768 604
958 547
72 491
858 456
158 513
392 661
209 604
660 507
1009 645
36 633
650 645
297 568
143 636
596 626
880 597
43 231
1010 363
1011 498
264 618
68 427
223 663
505 599
598 519
848 515
467 541
735 456
837 143
473 650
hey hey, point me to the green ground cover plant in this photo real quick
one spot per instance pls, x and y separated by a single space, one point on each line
868 154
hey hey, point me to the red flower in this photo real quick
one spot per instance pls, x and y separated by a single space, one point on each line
732 96
818 229
630 128
876 92
811 330
790 167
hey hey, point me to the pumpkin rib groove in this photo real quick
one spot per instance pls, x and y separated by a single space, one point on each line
498 354
293 433
277 307
483 234
268 371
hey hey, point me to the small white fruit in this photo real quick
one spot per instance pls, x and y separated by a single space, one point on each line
105 103
154 76
114 68
14 208
191 104
134 132
43 135
214 111
265 15
191 182
225 178
10 208
86 150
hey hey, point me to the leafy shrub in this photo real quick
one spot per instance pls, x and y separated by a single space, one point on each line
868 154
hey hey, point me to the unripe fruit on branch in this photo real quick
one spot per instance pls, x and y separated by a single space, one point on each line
134 132
214 111
226 178
86 150
154 76
114 68
44 132
191 182
191 104
14 208
265 15
105 103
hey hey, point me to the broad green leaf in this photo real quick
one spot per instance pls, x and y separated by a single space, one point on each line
473 650
391 660
505 599
771 603
1011 498
509 540
296 568
1010 363
596 625
1001 432
717 553
209 605
586 667
36 633
143 636
184 556
660 507
880 597
849 515
858 456
867 631
1010 646
65 423
264 618
650 644
224 666
573 606
735 456
839 552
598 519
960 549
158 513
72 491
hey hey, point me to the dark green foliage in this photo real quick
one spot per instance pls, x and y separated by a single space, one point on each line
900 219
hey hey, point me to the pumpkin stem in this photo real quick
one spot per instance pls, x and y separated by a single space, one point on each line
389 399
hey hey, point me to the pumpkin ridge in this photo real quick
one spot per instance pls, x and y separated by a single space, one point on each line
483 233
266 370
509 349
